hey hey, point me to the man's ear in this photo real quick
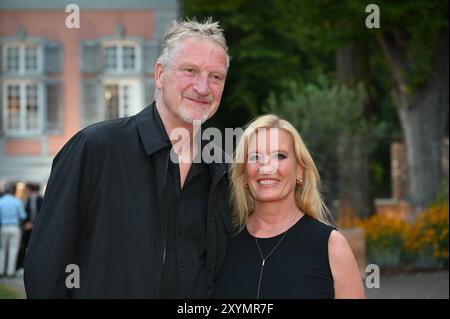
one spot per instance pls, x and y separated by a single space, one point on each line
159 70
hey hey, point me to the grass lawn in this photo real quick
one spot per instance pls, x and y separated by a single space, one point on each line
8 293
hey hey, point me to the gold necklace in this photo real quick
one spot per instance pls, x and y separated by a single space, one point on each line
264 260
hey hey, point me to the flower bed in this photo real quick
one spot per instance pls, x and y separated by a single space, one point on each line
393 243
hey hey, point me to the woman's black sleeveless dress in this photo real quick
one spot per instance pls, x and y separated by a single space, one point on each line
297 268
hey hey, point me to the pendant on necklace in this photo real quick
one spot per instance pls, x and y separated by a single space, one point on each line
264 260
260 277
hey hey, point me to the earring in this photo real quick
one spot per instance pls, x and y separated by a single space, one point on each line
299 182
245 185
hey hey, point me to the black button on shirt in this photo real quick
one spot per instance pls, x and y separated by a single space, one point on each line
184 271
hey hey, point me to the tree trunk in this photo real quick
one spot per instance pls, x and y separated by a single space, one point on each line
354 178
423 134
354 181
423 116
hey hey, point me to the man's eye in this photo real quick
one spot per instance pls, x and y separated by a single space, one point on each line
188 71
217 78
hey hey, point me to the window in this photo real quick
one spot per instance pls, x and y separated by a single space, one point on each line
117 90
121 57
23 107
23 58
111 58
129 58
12 59
30 101
31 58
13 107
122 98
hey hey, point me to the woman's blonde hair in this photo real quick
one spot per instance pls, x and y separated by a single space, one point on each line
307 196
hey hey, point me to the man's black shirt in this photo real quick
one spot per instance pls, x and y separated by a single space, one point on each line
186 231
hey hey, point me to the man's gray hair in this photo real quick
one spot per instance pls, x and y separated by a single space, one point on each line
188 28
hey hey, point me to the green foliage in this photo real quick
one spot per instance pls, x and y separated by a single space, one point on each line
8 293
427 241
379 174
442 197
416 28
269 49
393 243
274 43
323 114
414 25
385 240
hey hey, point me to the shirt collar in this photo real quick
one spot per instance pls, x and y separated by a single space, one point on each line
151 130
154 136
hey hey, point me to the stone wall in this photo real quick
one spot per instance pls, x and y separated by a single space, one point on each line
399 168
356 239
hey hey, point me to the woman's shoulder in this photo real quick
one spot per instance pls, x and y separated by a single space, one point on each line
312 231
315 225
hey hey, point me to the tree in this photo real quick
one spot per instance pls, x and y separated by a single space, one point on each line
354 156
336 28
414 40
325 116
268 53
276 43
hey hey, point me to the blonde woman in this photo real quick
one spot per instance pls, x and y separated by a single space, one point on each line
284 246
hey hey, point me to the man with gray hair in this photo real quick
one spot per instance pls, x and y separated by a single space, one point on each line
128 215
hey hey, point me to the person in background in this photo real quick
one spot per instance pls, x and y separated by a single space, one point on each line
11 215
285 246
2 188
33 204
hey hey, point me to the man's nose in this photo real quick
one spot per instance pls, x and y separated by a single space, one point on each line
201 85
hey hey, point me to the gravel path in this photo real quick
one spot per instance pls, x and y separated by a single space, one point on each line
426 285
422 285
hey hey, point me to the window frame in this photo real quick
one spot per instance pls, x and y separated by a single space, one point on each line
121 83
22 45
120 44
22 131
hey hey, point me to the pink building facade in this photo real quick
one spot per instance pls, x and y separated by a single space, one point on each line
56 80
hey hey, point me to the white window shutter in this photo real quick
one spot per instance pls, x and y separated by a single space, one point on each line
54 111
91 57
92 107
53 57
1 89
1 60
3 106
